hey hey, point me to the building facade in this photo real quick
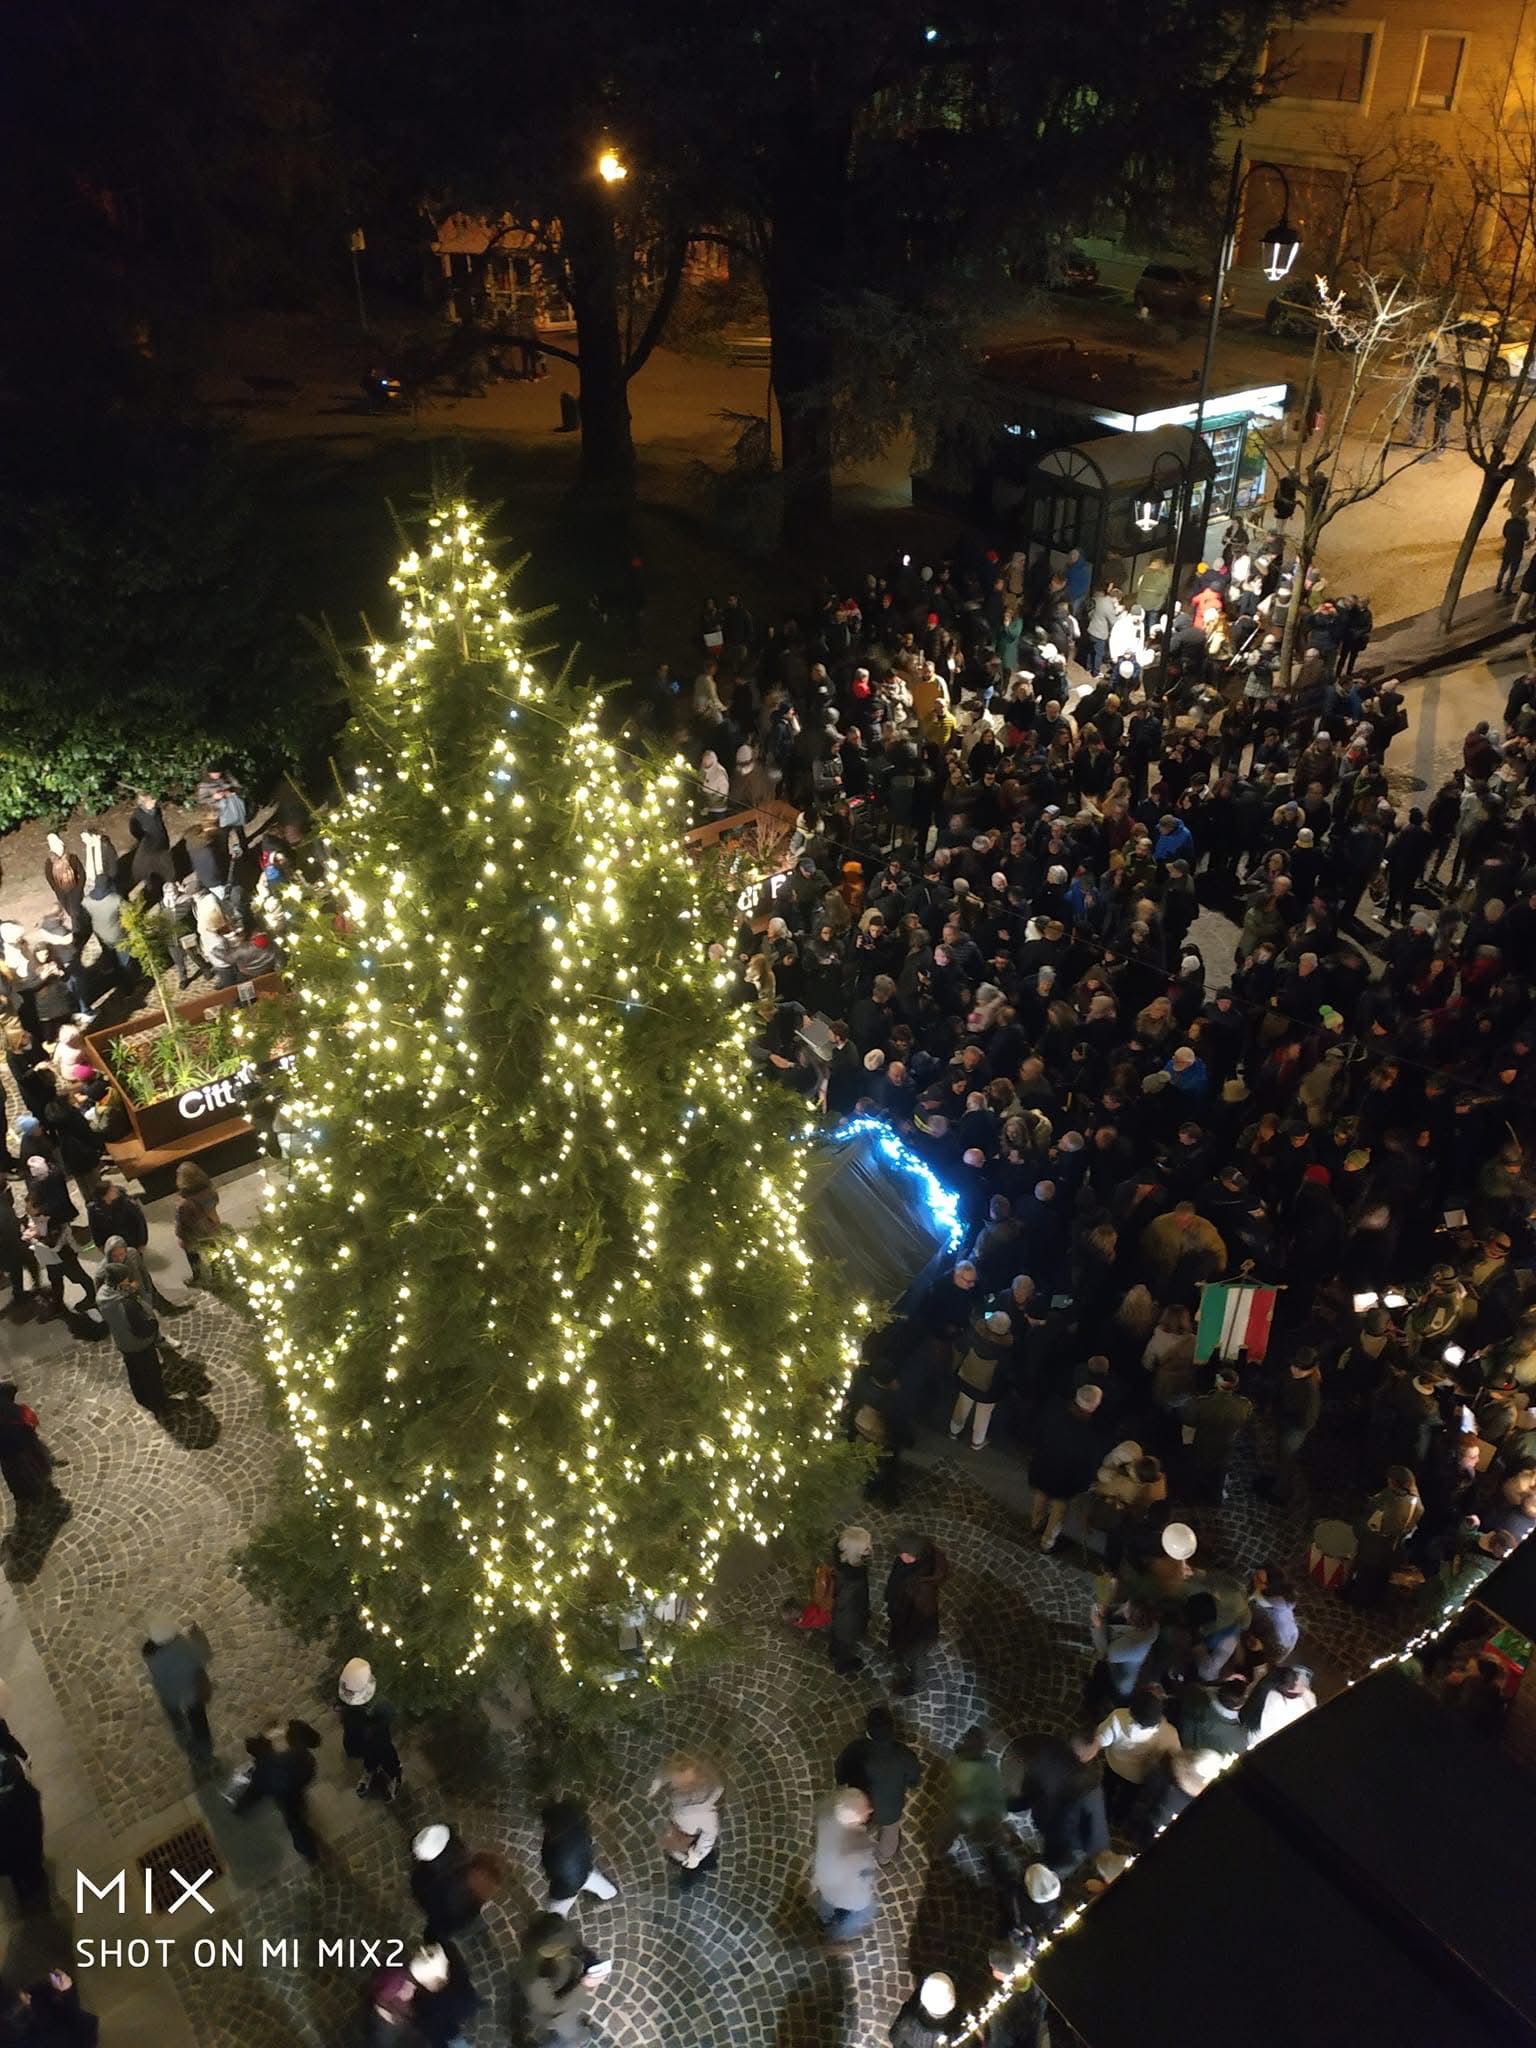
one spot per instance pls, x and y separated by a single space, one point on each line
1401 125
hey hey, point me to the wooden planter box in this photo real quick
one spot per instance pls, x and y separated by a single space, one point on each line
177 1126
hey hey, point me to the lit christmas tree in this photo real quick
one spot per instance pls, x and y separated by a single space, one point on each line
535 1291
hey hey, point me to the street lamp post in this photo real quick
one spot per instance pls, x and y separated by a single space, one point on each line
357 242
1149 510
1280 244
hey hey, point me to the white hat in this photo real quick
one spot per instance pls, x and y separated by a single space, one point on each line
999 1324
1109 1863
743 757
357 1685
1180 1541
874 1060
430 1843
429 1966
161 1629
1042 1883
936 1995
1128 1453
1088 1398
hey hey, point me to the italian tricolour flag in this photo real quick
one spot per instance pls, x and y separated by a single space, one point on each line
1234 1317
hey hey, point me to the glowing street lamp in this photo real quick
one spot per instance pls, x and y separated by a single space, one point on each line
1280 244
611 168
1152 505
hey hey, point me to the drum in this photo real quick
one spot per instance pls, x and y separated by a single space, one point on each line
1331 1558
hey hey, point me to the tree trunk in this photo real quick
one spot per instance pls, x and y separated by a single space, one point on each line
1305 554
806 250
591 251
1489 486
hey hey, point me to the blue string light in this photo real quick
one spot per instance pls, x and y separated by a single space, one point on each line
942 1203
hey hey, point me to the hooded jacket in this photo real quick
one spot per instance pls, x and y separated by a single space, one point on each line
131 1323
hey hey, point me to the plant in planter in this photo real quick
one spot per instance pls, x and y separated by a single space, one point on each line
186 1056
194 1045
149 933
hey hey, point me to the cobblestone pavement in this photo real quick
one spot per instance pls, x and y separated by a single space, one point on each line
737 1960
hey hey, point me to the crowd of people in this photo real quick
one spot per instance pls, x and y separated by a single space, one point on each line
986 935
75 969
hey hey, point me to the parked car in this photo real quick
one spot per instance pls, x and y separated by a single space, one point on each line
1076 269
1293 312
1474 342
1175 291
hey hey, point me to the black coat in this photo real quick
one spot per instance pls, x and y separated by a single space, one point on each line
443 1891
282 1773
850 1605
845 1081
122 1218
1067 1452
25 1463
884 1768
912 1600
566 1850
443 2017
52 2019
21 1824
912 2028
366 1736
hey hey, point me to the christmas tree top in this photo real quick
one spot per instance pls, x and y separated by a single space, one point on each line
535 1291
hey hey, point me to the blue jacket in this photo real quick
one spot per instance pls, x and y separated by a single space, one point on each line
1190 1080
1178 844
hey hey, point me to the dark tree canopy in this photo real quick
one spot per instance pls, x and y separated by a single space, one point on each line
924 154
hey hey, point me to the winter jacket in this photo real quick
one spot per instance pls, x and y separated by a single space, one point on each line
1217 1420
132 1326
850 1603
985 1355
178 1672
1205 1724
697 1817
912 1601
884 1768
441 1887
120 1218
1066 1453
566 1850
844 1869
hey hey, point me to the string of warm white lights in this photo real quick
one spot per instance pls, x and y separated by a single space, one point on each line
532 1184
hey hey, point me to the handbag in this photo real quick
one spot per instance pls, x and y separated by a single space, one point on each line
239 1784
817 1611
